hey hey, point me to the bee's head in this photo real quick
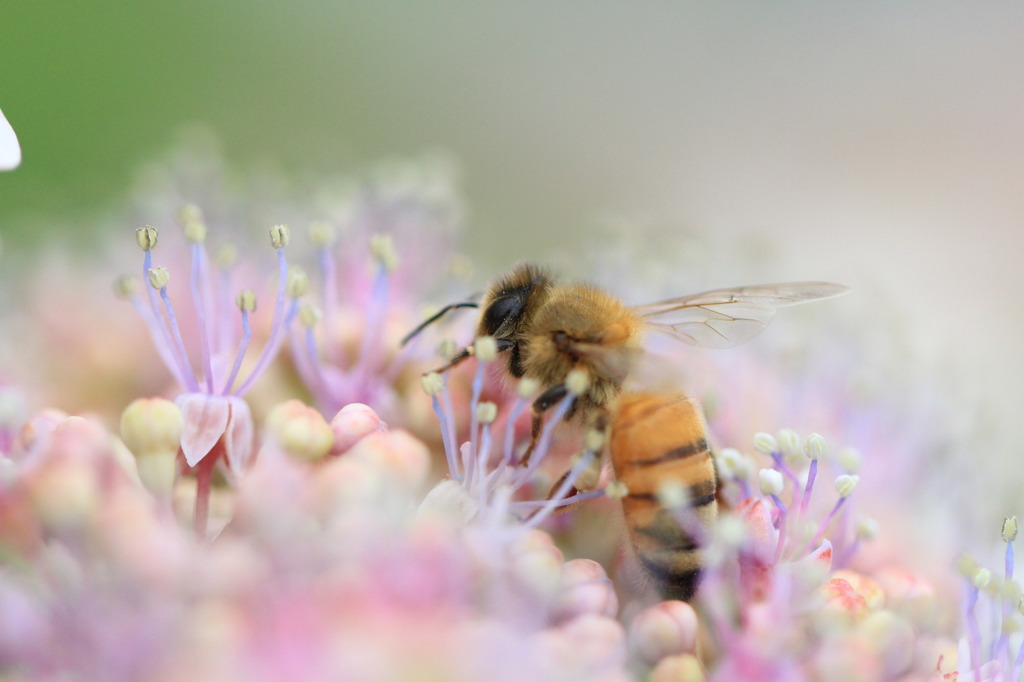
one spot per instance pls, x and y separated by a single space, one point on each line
510 299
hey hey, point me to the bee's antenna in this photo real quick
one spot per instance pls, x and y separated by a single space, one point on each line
437 316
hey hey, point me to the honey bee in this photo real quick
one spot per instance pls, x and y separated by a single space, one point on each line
549 328
658 439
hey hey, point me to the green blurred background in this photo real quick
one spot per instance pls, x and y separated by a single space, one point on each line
878 144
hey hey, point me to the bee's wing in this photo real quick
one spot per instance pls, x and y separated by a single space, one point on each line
723 318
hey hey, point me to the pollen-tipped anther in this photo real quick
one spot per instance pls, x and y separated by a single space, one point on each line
309 315
815 446
280 235
1009 529
159 278
383 250
246 300
486 412
765 442
432 383
298 282
322 234
195 231
527 388
789 443
485 348
189 213
770 481
146 237
845 484
226 256
126 286
577 382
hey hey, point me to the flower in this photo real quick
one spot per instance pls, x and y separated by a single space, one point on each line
218 425
10 150
347 349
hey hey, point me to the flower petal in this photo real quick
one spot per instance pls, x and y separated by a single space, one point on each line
10 150
206 419
238 437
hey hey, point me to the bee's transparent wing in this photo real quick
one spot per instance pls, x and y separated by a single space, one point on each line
723 318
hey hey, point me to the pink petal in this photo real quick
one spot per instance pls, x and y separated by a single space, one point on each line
762 534
206 419
238 436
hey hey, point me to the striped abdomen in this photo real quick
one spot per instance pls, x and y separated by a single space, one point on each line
655 438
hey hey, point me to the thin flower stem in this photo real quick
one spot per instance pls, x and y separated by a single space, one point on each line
224 337
155 327
782 527
781 465
449 448
524 474
172 319
200 303
453 463
312 358
566 486
184 371
275 325
816 540
974 632
374 331
243 346
812 472
474 402
510 430
481 464
330 298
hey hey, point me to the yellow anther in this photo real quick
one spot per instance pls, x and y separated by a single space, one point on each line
246 300
280 235
146 238
159 278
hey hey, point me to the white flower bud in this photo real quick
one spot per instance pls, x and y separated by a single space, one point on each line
849 459
616 489
845 483
867 529
771 481
765 442
815 446
527 388
432 383
486 412
789 443
577 382
485 348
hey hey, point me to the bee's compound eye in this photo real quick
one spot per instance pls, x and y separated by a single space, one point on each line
501 309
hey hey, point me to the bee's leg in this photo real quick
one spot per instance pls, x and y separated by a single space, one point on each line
544 402
597 432
468 352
